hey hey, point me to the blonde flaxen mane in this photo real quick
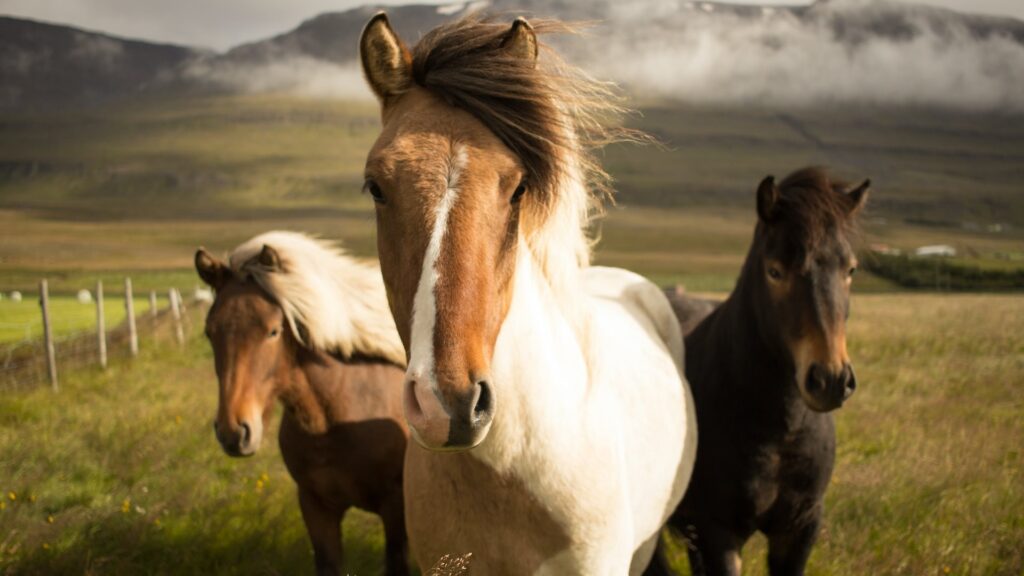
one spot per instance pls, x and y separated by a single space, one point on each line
332 301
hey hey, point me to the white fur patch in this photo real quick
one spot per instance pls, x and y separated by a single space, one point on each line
424 312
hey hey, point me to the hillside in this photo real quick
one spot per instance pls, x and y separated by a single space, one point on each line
139 187
46 65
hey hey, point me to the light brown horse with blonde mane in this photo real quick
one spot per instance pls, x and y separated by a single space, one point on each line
554 430
296 320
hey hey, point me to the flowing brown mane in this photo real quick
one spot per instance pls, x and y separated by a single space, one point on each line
816 205
548 113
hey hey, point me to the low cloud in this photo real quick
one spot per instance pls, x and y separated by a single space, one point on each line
299 75
840 51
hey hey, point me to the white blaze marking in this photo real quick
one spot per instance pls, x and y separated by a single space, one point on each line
424 311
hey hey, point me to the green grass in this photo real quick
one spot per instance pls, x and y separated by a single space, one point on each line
929 476
141 186
929 473
23 320
119 473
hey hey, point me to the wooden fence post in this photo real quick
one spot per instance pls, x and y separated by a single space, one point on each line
101 325
152 303
129 307
179 335
51 356
181 302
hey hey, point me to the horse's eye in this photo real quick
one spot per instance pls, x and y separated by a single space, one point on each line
518 194
274 332
774 273
374 190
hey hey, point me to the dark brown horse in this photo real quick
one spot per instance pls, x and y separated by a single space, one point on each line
766 368
296 320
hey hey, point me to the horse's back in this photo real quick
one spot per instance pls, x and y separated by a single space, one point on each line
645 301
689 310
636 352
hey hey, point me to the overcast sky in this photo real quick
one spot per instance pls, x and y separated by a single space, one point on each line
221 24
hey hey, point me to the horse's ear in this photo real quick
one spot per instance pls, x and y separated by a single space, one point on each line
269 258
521 41
212 271
859 196
767 197
387 63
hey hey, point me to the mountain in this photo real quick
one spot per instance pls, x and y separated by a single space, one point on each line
47 64
873 51
870 51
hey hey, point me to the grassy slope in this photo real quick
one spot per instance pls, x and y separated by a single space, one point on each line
138 188
929 469
929 474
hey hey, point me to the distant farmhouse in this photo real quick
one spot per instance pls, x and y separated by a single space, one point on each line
940 250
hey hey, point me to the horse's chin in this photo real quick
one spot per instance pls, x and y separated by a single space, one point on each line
817 404
246 453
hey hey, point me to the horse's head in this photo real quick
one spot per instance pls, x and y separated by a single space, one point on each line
479 142
803 262
448 193
251 349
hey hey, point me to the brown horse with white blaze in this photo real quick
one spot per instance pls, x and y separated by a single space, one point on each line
296 320
554 431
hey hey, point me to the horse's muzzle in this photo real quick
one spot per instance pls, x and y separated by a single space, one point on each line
239 440
455 425
825 390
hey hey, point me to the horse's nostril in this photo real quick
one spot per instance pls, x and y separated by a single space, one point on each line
849 380
815 378
246 434
484 400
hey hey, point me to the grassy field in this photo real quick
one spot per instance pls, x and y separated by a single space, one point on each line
140 187
120 474
23 321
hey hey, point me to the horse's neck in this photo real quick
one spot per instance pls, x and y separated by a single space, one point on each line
540 363
306 392
758 375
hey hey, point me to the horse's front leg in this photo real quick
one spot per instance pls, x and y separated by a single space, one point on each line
788 551
715 551
392 513
324 527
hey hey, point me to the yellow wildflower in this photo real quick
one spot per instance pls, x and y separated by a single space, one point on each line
49 519
126 506
12 496
46 546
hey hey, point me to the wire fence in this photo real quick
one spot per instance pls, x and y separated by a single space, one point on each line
24 364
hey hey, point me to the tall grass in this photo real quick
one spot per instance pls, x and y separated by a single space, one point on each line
929 476
119 473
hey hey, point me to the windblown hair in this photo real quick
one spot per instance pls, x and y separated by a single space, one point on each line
814 205
551 115
331 301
